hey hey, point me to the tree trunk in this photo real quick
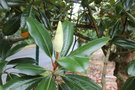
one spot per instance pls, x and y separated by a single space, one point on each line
120 69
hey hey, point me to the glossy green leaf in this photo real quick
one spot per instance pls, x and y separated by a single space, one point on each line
89 48
68 31
29 69
12 25
16 49
125 43
4 4
45 20
75 64
2 65
11 77
16 3
58 39
128 4
76 82
131 68
63 86
4 48
46 84
40 35
131 17
25 60
116 30
21 83
28 12
129 84
131 26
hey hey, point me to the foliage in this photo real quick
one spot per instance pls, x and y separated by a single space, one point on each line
33 76
38 19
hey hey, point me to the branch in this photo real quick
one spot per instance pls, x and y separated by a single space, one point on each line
82 36
95 26
79 26
16 40
103 80
84 26
93 21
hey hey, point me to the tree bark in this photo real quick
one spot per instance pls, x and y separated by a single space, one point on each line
103 80
120 69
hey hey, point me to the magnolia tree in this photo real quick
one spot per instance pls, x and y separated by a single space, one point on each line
52 24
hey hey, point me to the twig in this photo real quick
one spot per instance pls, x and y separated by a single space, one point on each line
82 36
103 80
83 26
93 21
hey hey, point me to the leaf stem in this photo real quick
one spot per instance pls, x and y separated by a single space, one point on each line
55 64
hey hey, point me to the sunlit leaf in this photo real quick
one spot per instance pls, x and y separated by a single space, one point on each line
40 35
89 48
75 64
